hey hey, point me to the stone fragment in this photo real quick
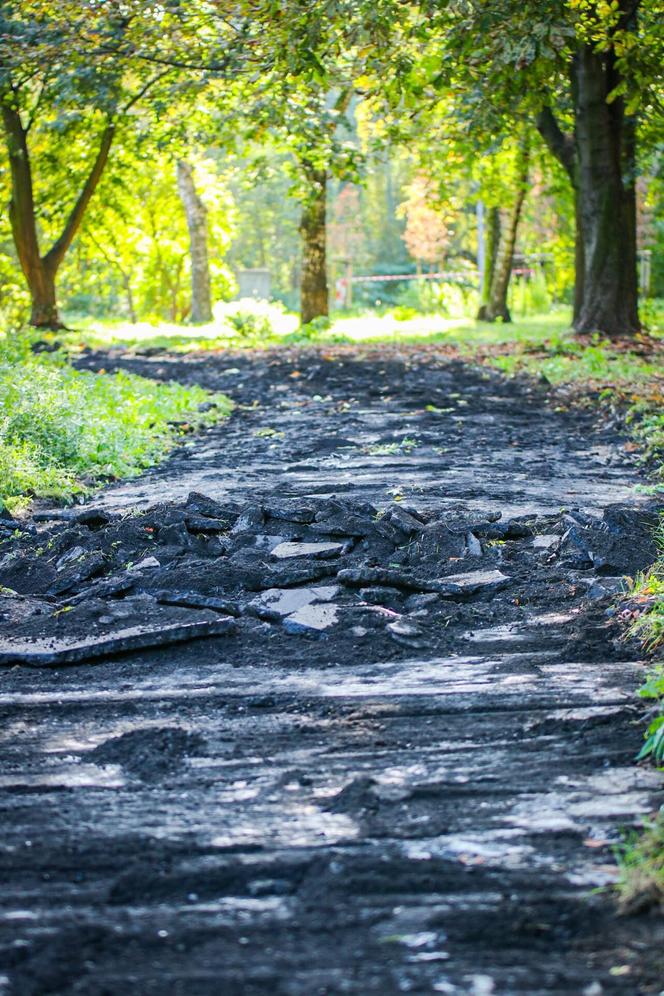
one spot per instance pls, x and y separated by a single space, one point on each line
449 587
545 541
250 519
202 524
290 511
473 545
81 570
70 557
311 619
147 563
104 588
285 551
398 524
379 595
175 534
437 542
277 603
194 600
414 603
474 581
53 651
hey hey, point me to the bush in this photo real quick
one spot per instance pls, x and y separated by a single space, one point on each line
531 296
251 318
432 297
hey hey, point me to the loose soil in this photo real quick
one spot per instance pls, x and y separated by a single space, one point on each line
332 701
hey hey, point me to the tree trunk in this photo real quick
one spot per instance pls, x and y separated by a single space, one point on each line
604 140
600 160
196 212
496 307
40 271
491 242
314 296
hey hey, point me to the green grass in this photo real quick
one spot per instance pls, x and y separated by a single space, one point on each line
63 431
641 864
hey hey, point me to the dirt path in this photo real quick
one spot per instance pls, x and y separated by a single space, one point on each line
400 764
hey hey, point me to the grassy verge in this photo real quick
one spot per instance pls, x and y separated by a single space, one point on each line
62 431
641 883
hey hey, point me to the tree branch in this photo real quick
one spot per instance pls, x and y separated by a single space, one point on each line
559 144
56 253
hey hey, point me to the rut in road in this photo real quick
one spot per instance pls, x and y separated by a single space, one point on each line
400 749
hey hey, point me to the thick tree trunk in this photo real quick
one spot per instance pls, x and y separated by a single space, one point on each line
196 212
496 306
492 240
44 307
604 141
40 271
314 295
600 159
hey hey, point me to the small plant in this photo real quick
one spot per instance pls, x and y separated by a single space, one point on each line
641 864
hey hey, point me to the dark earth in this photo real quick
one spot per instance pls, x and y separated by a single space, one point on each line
335 700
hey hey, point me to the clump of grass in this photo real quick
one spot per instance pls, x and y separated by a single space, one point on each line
641 863
647 595
641 859
63 430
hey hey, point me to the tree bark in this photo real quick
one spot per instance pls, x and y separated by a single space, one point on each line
600 160
40 271
605 151
196 212
492 239
314 294
496 306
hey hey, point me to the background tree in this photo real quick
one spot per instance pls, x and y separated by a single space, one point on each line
50 105
196 214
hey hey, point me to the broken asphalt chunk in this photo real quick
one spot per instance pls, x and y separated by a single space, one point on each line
322 551
194 600
54 651
456 585
277 603
312 619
